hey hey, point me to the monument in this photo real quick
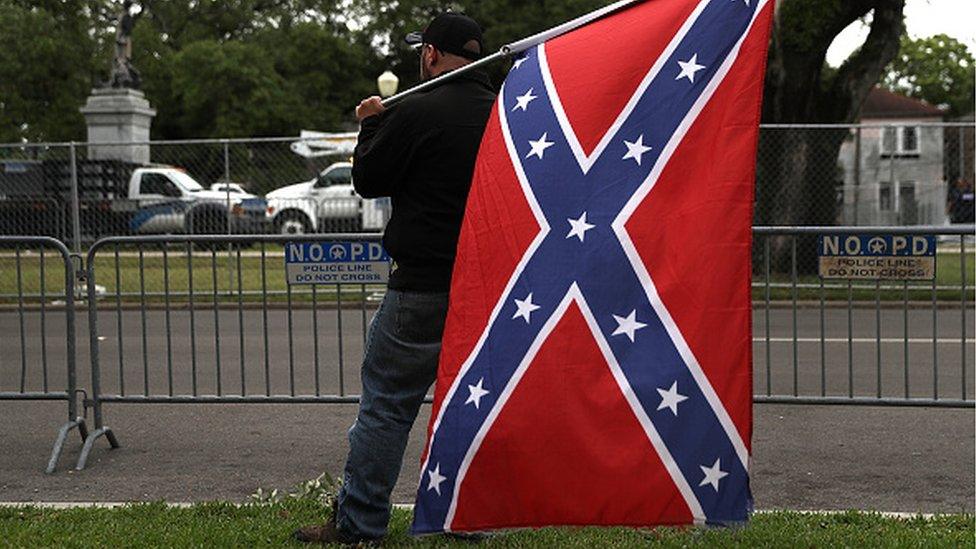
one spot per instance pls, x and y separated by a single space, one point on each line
117 111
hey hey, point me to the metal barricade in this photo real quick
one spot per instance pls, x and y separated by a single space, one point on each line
211 319
822 341
31 300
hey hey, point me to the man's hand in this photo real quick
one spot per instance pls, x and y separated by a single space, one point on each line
369 106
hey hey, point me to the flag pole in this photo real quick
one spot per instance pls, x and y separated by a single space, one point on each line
513 48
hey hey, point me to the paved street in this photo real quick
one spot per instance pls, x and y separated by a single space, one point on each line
292 359
893 459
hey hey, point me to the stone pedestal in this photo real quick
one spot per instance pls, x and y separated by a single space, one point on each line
117 116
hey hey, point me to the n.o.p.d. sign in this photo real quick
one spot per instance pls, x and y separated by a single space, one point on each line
336 262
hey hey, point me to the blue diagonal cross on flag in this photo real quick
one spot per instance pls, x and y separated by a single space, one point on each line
579 382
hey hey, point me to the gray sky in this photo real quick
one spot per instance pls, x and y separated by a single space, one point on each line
923 18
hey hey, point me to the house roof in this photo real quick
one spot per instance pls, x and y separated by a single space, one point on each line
881 103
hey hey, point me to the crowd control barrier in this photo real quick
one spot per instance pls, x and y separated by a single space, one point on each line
37 350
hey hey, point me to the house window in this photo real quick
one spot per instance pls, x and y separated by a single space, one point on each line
884 196
899 140
909 139
889 140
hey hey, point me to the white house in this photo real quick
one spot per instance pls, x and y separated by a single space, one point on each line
893 164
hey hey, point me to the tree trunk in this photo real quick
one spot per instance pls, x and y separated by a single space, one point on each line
797 169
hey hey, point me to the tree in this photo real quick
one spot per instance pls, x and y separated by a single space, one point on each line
503 21
325 69
49 52
796 173
938 70
308 71
231 90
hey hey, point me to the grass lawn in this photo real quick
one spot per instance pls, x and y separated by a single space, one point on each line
156 274
134 276
271 524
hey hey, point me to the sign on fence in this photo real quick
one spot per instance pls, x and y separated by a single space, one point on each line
876 257
336 262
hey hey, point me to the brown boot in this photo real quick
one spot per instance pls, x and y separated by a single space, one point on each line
323 533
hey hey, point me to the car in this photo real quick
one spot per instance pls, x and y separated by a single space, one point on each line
328 203
235 189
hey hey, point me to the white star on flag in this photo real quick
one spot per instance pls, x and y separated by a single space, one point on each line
713 474
518 62
436 478
522 101
628 325
539 147
689 68
525 307
636 149
671 398
579 227
477 391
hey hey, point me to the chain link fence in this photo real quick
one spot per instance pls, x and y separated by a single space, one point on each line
888 175
883 175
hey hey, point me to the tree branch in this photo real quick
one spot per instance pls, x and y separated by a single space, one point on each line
861 71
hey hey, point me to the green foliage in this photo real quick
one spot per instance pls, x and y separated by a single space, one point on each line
324 69
49 52
237 77
231 89
805 23
503 21
233 68
230 68
939 70
227 68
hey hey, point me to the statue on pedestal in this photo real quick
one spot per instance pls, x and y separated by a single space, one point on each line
124 75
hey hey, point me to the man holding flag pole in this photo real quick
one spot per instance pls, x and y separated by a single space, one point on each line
421 154
596 365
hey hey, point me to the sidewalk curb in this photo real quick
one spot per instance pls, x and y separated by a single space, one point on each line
58 505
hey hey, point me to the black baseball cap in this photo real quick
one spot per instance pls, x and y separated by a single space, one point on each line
449 32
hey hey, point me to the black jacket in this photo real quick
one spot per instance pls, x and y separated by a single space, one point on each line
421 153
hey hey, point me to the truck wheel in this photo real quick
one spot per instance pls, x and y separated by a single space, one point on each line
208 221
292 223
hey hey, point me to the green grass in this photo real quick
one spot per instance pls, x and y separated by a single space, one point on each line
271 524
156 274
150 278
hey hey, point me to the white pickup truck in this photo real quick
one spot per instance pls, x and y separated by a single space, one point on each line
328 203
168 200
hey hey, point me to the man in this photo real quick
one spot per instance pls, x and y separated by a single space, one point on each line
960 202
421 154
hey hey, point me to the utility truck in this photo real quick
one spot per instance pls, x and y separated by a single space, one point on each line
119 198
327 203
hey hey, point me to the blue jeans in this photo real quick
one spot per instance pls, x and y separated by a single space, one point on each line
399 366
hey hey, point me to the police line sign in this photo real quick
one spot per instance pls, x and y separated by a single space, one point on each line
336 263
877 257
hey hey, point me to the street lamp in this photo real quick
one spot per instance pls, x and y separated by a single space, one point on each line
387 83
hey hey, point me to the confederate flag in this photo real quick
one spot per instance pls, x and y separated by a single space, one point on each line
596 366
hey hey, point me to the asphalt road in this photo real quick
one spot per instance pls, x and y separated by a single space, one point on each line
804 457
302 352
